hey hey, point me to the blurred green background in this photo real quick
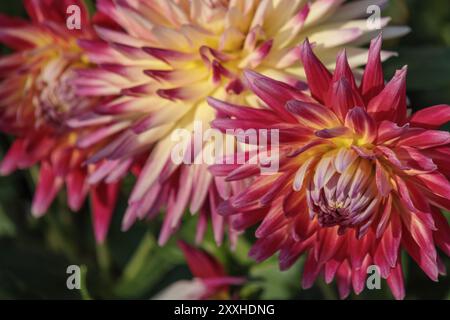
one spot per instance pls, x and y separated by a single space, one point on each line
34 254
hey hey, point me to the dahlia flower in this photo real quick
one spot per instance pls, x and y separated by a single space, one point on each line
37 102
359 179
163 58
210 282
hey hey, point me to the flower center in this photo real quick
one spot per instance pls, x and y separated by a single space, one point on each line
214 53
57 100
342 191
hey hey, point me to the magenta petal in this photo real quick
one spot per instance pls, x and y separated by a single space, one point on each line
77 189
342 97
311 270
232 110
373 79
361 123
318 76
428 265
274 93
201 264
13 157
390 103
442 234
343 70
426 139
266 247
48 186
437 183
312 114
382 180
431 117
103 202
395 282
344 278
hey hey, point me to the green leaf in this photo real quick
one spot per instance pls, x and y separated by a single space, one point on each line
147 268
275 284
84 289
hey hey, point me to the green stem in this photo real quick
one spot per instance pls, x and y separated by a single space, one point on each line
104 260
84 290
327 291
139 257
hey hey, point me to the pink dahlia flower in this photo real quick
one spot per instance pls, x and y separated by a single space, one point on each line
165 57
210 282
359 180
37 102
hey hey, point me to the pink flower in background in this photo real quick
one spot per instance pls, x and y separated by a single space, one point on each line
210 282
359 179
38 101
163 58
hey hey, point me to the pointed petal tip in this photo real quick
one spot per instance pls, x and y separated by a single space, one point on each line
75 205
376 44
212 101
128 220
342 54
4 171
162 240
255 255
400 296
401 73
37 211
305 47
307 283
251 75
100 238
306 42
225 208
378 39
125 227
100 233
